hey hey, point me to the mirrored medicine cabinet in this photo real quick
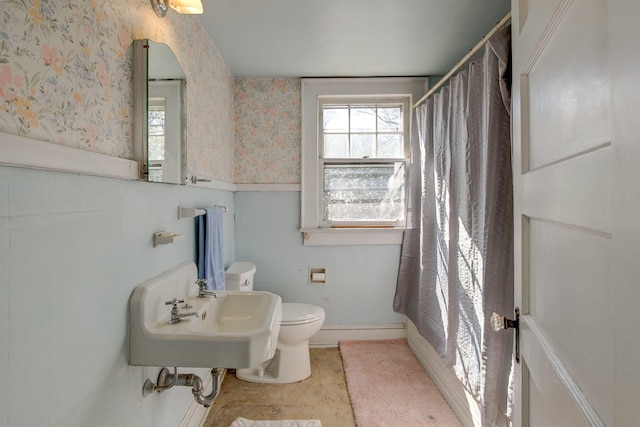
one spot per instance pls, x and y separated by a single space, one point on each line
159 108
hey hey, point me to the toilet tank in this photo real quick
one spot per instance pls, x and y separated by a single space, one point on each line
239 277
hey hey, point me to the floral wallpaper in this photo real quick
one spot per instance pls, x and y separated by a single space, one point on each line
268 131
65 77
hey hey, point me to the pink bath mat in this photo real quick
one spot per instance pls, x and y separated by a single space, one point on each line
390 388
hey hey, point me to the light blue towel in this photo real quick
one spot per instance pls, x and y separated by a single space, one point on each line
210 249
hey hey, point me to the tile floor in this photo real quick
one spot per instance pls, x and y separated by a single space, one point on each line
322 396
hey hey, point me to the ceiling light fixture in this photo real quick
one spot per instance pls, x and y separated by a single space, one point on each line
188 7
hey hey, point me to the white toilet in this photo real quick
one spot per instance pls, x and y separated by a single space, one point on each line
300 322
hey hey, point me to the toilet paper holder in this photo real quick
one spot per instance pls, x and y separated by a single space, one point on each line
317 275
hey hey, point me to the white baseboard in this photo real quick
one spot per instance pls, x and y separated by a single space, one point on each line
195 416
329 335
461 402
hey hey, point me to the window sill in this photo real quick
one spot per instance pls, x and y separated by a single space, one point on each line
351 236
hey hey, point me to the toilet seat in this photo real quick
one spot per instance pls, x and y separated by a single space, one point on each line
300 314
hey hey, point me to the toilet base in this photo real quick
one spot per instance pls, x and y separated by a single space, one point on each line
290 364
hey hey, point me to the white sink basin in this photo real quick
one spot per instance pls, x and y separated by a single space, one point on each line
233 330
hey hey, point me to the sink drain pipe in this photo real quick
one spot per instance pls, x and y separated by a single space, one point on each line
166 380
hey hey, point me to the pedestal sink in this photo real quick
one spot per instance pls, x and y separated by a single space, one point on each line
231 330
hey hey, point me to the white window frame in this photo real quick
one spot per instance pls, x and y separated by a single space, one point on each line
405 101
175 158
313 91
156 104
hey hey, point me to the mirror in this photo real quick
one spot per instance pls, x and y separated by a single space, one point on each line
159 113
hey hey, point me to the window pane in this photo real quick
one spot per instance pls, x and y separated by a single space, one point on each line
155 173
363 119
363 145
336 145
390 145
364 192
389 119
156 147
156 129
335 119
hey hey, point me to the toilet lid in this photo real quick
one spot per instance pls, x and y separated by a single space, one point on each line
297 314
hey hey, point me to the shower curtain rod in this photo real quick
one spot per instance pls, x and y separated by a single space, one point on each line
460 63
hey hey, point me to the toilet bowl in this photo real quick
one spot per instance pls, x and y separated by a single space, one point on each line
291 362
300 322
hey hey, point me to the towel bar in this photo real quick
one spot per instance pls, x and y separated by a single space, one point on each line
193 212
195 179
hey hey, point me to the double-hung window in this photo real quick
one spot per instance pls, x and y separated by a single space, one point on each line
355 159
363 161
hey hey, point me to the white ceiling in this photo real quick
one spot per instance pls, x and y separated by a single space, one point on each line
347 38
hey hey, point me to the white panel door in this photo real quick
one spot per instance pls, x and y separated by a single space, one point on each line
576 109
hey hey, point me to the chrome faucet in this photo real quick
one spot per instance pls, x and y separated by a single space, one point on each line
176 316
204 292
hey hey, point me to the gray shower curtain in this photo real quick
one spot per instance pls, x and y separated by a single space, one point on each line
456 264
